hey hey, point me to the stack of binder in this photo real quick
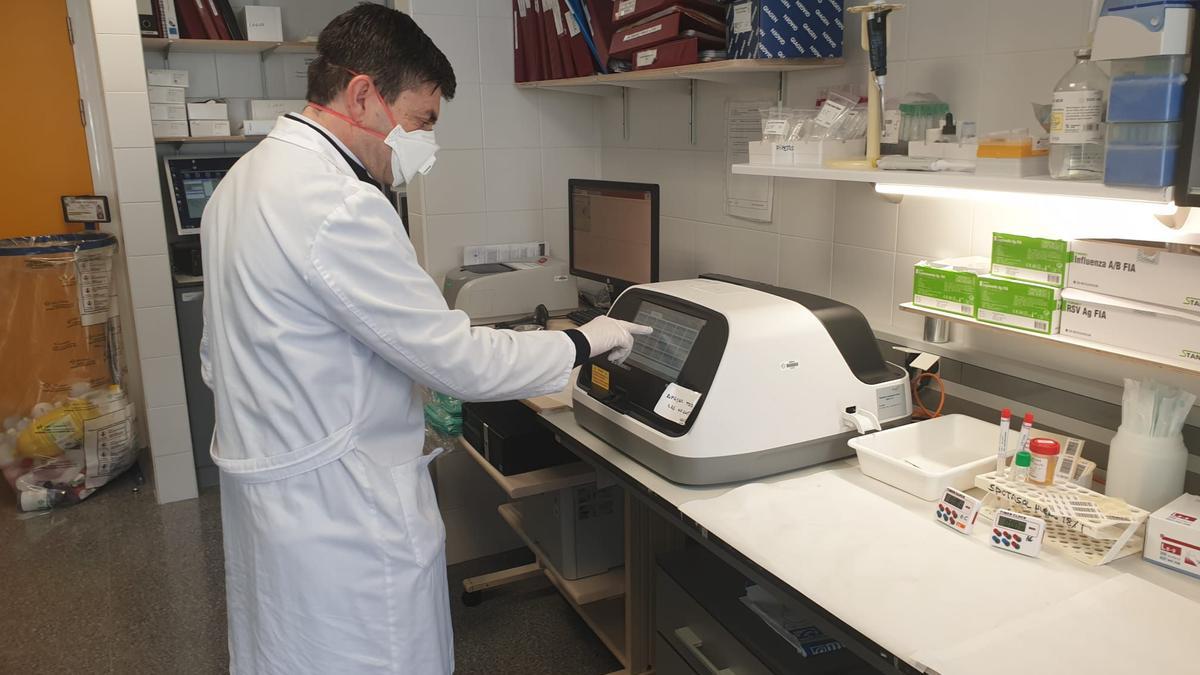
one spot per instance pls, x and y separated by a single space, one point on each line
198 19
557 39
662 33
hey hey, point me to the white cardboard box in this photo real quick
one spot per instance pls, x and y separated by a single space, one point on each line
256 127
269 109
163 129
262 23
1153 272
1157 330
208 110
166 78
210 127
1173 536
166 94
162 112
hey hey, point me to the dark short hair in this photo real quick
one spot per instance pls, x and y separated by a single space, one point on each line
383 43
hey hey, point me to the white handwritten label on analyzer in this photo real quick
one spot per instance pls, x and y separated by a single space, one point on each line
676 403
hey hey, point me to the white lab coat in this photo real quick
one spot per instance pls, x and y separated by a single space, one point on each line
319 325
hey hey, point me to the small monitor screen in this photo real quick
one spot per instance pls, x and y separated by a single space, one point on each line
613 231
198 187
664 351
953 501
1011 523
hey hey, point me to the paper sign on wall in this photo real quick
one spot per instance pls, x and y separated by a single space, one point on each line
676 403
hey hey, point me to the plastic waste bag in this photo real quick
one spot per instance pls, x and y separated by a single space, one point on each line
66 424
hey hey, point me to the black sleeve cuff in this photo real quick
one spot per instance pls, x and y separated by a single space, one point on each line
583 350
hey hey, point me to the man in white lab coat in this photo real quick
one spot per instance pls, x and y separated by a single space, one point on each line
319 328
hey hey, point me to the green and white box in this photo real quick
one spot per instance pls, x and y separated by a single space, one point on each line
1042 261
1161 274
1019 304
950 285
1156 330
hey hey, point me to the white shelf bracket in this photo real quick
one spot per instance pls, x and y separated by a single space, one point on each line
625 113
692 123
1175 220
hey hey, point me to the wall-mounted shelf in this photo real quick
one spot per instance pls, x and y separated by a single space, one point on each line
1040 185
177 140
1075 343
226 46
716 71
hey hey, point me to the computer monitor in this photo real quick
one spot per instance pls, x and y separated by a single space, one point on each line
191 180
614 231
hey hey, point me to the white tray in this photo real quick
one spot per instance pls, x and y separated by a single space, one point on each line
924 458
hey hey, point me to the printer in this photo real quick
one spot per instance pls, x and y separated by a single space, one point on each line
739 380
494 292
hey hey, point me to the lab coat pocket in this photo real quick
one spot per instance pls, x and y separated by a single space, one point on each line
426 532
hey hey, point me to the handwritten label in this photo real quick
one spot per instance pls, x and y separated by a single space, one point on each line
676 403
646 57
626 8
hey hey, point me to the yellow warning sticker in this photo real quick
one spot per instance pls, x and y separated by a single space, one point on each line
599 377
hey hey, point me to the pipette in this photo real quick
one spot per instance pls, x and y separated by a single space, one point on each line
877 45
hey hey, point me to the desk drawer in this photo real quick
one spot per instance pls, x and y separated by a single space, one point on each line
667 661
695 637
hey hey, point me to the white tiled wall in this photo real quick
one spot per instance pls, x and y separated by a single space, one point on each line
988 58
139 208
506 152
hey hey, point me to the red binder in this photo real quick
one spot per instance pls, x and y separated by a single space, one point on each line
530 32
677 53
191 24
518 41
562 38
551 51
627 11
668 25
580 54
600 14
218 21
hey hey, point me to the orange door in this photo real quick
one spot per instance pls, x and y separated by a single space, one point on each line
44 148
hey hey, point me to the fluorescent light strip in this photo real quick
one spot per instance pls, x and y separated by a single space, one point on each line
1026 198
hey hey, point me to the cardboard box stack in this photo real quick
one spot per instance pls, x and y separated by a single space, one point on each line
1135 295
263 114
208 118
662 33
168 113
1024 288
1139 295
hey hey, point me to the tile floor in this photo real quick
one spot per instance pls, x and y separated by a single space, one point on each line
118 584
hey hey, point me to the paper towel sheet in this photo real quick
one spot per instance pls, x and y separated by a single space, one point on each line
905 581
1122 626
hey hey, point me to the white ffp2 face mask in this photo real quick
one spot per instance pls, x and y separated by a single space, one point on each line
413 153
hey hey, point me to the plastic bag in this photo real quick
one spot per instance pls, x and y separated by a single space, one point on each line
66 424
443 420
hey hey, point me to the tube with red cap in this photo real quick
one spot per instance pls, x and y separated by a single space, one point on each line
1002 451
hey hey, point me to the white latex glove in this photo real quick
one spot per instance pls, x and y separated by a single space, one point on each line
614 336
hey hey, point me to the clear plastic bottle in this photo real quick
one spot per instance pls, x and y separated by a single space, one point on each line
1076 121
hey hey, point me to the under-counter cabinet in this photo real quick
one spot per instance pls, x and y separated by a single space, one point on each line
702 627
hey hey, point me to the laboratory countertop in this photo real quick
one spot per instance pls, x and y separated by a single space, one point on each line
670 499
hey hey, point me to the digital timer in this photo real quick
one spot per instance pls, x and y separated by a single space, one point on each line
1018 533
957 510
